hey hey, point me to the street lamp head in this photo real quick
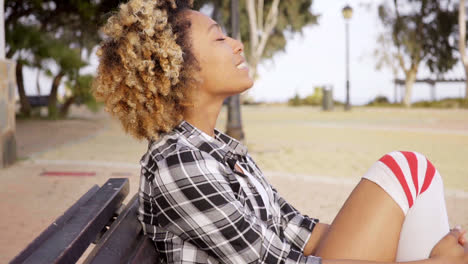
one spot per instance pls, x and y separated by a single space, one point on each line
347 12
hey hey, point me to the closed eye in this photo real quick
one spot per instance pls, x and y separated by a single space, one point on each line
221 39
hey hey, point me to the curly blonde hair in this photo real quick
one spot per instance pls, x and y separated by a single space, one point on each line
146 68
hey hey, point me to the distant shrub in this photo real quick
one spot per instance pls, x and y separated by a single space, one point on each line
295 101
383 101
444 103
314 99
380 100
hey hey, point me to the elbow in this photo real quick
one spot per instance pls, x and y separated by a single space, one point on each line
316 238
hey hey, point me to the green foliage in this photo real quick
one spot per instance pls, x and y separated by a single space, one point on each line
444 103
80 89
39 32
295 101
76 22
44 33
380 100
314 99
423 31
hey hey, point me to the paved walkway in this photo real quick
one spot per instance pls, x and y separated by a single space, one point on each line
94 148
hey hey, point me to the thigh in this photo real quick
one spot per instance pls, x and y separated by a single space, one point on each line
367 227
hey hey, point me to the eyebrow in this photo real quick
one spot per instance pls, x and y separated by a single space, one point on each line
213 26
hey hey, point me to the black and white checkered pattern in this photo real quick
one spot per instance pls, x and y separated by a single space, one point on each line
195 210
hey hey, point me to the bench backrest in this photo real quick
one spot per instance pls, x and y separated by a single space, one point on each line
124 242
95 218
38 100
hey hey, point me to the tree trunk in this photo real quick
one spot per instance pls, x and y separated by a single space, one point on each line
25 106
409 82
466 83
253 68
462 42
52 107
234 124
38 86
66 106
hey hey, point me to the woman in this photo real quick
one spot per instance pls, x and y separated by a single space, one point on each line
165 71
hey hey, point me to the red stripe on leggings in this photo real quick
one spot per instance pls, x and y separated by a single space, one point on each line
430 172
413 164
393 165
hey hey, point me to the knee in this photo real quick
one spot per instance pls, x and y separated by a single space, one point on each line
404 175
411 167
408 161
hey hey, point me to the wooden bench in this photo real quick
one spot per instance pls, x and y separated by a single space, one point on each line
38 100
98 217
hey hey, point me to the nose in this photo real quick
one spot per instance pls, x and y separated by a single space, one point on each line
238 46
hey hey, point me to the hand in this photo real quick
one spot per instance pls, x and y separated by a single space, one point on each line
461 239
449 249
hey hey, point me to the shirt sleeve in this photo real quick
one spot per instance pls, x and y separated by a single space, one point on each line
298 227
192 199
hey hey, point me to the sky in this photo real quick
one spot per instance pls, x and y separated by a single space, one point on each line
317 58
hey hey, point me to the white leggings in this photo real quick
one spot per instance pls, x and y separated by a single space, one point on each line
417 187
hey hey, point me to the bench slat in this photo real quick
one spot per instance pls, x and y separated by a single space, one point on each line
67 244
124 242
38 100
145 252
54 227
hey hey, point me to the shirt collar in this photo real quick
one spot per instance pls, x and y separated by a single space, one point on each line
222 143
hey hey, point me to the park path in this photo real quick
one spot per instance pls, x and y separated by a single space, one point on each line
95 148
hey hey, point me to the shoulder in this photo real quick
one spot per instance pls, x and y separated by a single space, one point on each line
172 152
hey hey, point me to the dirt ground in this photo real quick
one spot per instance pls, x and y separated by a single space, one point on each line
313 158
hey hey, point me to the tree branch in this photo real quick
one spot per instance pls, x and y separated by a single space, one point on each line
270 24
260 15
402 62
253 25
462 32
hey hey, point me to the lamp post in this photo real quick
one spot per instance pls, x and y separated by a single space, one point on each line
347 14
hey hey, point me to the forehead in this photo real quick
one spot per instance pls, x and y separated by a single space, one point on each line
199 20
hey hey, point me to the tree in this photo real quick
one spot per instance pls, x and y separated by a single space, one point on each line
260 29
422 32
462 42
50 34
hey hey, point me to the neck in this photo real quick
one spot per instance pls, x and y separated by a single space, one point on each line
203 115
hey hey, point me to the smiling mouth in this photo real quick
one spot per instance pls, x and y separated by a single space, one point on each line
242 65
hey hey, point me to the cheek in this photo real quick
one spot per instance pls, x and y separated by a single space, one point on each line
216 65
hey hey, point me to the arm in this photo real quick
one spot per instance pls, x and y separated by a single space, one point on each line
319 233
297 227
445 256
192 199
451 249
307 237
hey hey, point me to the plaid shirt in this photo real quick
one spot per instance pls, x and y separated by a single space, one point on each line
193 207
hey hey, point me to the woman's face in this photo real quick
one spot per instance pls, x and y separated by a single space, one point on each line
223 71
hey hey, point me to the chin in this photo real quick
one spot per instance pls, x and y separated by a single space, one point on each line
239 87
249 84
246 87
